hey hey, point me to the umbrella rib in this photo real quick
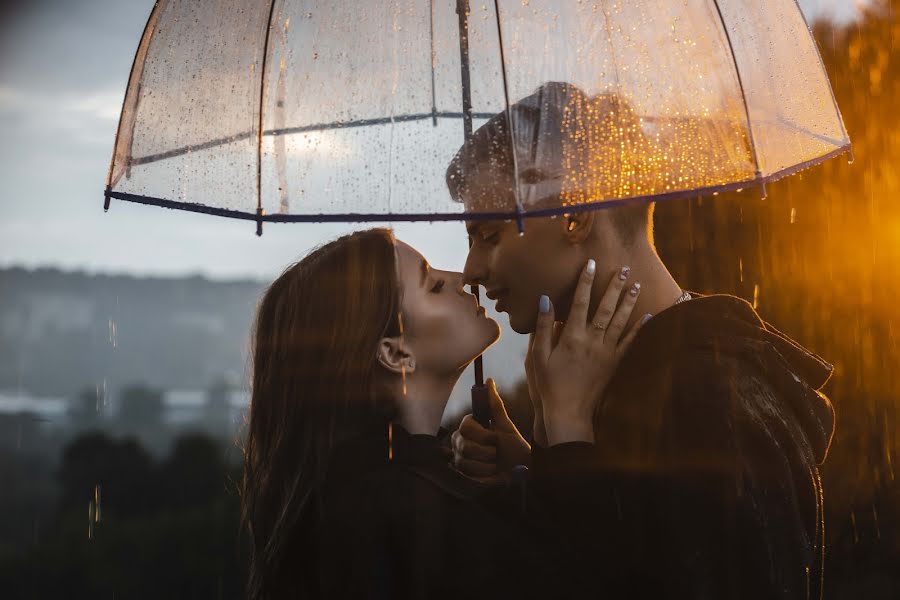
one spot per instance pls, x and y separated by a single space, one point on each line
259 129
142 45
520 223
462 13
431 62
151 158
737 72
822 69
612 50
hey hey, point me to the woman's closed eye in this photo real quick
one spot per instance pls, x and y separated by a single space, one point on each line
491 237
438 286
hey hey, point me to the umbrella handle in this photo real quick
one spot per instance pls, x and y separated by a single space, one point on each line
481 405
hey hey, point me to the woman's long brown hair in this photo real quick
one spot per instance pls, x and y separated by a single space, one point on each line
313 383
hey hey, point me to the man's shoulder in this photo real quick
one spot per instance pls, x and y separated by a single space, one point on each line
701 389
690 370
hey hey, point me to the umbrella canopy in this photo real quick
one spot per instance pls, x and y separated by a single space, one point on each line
295 110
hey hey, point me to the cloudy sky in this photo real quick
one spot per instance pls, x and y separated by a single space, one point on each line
63 69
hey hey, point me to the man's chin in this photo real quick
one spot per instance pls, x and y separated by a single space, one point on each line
520 325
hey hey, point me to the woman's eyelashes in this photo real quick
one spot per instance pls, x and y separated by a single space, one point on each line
438 286
491 238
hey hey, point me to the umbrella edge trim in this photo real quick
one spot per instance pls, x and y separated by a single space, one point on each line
462 216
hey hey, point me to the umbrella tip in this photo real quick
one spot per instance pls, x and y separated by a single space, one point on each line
259 221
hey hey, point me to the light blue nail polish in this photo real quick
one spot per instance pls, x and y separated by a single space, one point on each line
591 266
544 304
646 318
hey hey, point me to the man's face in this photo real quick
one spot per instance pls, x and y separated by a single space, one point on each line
515 270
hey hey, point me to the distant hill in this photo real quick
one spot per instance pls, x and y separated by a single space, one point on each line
63 331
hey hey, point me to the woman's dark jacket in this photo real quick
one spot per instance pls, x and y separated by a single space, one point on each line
702 482
399 522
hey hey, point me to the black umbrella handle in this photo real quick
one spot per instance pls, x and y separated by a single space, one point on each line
481 405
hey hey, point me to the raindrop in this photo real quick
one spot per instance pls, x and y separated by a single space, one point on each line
90 519
97 503
390 441
877 526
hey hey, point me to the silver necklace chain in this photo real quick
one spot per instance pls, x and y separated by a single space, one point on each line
685 296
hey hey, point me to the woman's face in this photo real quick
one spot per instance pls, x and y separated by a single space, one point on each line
442 324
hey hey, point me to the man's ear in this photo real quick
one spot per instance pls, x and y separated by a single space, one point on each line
578 226
395 356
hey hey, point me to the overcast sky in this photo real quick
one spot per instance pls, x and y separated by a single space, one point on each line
63 69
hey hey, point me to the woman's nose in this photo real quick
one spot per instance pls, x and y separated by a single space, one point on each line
458 282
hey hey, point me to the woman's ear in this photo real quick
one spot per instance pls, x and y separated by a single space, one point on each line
578 226
395 356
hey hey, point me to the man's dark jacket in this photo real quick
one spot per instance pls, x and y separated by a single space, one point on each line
703 480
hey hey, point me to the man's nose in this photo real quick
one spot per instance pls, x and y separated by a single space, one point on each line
475 270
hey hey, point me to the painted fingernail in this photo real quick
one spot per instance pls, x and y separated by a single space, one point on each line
623 274
591 266
544 304
646 318
635 289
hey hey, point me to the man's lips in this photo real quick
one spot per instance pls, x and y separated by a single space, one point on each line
497 295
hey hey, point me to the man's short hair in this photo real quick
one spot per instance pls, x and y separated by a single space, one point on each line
631 220
593 144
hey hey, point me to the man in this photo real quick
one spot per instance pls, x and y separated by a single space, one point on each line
701 480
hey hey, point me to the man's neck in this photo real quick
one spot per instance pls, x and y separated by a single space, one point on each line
659 290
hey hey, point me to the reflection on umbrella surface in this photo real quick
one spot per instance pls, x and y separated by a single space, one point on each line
331 111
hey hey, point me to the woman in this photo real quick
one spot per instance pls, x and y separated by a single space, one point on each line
346 491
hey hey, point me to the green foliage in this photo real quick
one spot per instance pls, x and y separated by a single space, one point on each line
163 530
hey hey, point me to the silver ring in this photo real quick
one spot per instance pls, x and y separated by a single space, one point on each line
599 326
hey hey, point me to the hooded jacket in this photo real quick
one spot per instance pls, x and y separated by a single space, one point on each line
703 480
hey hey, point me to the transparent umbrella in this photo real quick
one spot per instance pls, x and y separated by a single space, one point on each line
315 111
